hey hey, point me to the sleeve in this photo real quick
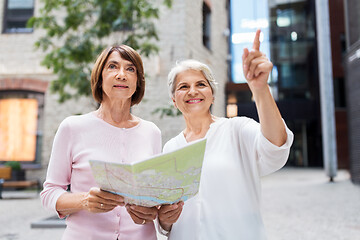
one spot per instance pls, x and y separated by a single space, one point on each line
269 157
157 140
166 147
170 146
159 229
59 169
272 157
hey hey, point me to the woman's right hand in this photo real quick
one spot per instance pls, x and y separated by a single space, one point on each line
97 200
140 214
169 214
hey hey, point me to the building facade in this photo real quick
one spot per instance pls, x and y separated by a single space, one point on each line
352 66
294 81
30 113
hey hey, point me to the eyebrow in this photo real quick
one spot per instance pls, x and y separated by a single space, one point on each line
181 83
130 64
201 80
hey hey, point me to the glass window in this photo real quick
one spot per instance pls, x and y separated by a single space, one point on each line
247 17
353 10
293 76
206 25
293 47
21 118
18 122
16 15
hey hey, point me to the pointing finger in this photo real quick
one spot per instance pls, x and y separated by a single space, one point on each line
256 44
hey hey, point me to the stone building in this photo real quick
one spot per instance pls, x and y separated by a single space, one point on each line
190 29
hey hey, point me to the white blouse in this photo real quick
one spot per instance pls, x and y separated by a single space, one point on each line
228 203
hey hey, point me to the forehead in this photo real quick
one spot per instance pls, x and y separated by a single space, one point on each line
189 76
115 56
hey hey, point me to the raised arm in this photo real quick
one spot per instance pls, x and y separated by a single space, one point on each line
257 69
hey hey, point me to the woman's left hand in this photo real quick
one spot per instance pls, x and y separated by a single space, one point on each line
141 215
256 66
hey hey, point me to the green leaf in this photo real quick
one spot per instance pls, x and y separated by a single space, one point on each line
169 111
75 32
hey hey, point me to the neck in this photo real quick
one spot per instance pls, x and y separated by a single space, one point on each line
197 127
117 113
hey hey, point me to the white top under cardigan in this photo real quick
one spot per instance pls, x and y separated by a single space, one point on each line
228 203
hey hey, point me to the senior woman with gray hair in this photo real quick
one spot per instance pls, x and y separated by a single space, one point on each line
238 152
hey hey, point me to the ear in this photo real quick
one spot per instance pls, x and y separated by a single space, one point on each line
174 102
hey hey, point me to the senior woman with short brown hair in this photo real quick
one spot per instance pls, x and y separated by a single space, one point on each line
112 134
238 152
128 54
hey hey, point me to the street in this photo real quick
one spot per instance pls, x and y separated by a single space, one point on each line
298 204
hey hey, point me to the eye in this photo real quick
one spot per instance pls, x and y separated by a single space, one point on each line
182 87
131 69
202 84
112 66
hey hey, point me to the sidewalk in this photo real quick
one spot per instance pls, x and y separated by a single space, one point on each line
301 204
298 204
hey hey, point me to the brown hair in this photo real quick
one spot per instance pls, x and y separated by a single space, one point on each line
128 54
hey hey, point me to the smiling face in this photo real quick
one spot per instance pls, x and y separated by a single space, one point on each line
193 94
119 78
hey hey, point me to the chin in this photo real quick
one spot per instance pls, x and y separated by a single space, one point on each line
197 111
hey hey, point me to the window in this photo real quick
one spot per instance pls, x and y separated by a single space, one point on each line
293 49
21 114
16 15
353 21
206 25
18 127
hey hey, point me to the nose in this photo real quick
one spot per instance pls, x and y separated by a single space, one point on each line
120 74
193 91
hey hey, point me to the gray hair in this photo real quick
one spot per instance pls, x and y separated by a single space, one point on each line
190 64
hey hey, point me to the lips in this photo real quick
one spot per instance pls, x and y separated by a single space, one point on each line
120 86
194 100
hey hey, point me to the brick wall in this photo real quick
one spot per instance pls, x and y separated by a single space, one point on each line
180 32
23 84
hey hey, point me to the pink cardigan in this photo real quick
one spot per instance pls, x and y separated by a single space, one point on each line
85 137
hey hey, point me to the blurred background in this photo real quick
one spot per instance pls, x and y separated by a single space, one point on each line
214 32
47 49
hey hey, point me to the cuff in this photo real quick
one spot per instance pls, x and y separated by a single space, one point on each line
160 229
